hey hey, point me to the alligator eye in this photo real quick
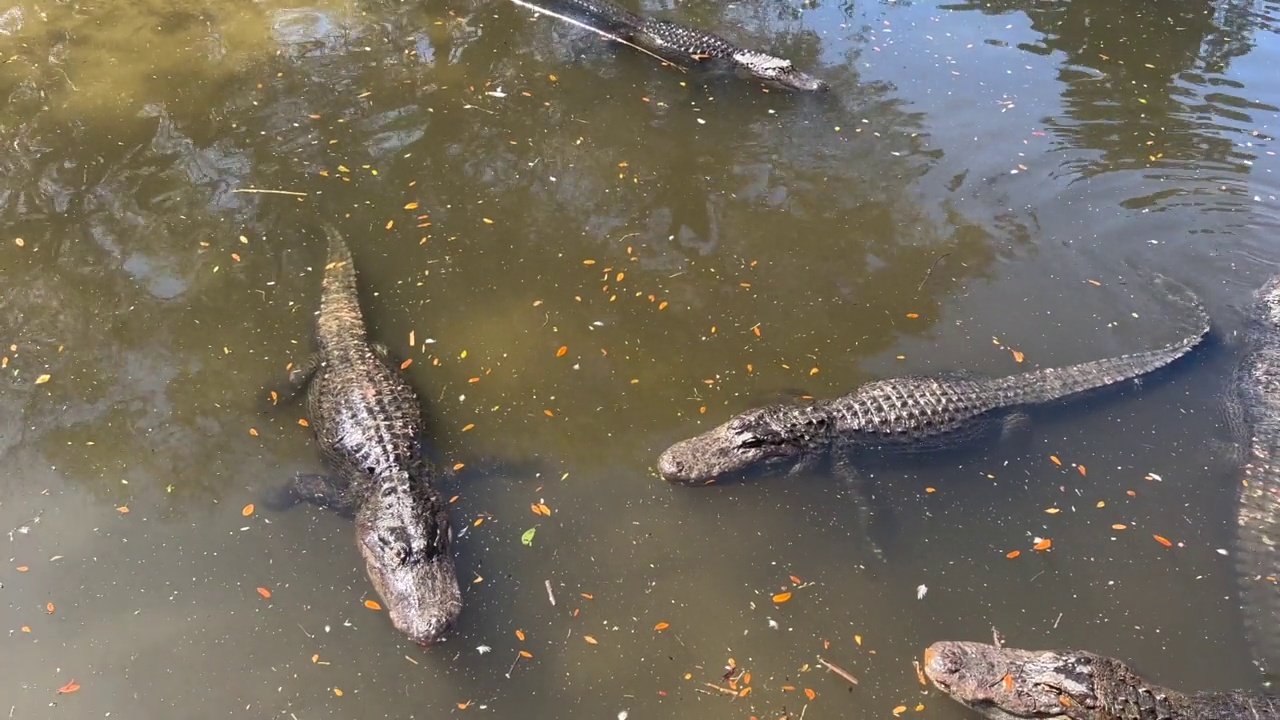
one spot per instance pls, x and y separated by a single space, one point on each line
751 442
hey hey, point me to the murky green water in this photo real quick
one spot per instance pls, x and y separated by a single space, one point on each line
511 187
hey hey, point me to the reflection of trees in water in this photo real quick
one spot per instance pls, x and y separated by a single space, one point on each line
1137 87
124 200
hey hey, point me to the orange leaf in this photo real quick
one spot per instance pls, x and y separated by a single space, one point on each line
405 365
123 509
458 466
1118 526
746 678
248 510
372 604
26 628
337 691
1055 460
782 597
913 316
795 580
1017 356
48 608
303 422
1044 544
411 206
477 522
744 692
69 688
264 592
1013 554
1082 471
1008 682
788 688
809 693
1162 540
520 635
23 568
661 626
931 490
468 426
465 705
544 510
562 351
253 432
526 654
587 596
549 413
899 710
590 640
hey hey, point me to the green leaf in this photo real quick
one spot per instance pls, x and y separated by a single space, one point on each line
527 537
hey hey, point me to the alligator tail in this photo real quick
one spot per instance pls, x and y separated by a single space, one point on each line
1049 384
340 317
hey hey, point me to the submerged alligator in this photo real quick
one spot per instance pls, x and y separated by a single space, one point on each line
368 424
1010 684
903 413
676 42
1254 411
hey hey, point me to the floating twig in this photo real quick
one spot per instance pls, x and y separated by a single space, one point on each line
930 272
551 595
839 671
721 690
263 191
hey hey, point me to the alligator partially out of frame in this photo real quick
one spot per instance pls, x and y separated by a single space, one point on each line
676 42
1010 684
1254 405
909 413
368 424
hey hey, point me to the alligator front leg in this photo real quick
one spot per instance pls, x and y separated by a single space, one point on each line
325 491
849 475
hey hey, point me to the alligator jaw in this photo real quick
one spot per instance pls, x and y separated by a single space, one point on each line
417 582
993 680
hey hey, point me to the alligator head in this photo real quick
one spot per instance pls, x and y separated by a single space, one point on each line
406 553
778 70
746 440
1012 684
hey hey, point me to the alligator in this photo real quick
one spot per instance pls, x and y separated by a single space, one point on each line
1010 684
904 414
676 42
1254 415
368 424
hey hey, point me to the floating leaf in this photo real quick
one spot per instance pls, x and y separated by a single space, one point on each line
253 432
1013 554
1044 544
468 427
1017 356
809 693
411 206
248 510
1162 540
661 626
372 604
337 691
527 537
48 607
1053 510
526 654
795 580
913 316
1055 460
1081 470
858 639
123 509
899 710
590 640
22 568
264 592
43 379
69 688
520 635
782 597
1118 526
564 349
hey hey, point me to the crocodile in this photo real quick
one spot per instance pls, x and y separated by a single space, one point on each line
1254 414
905 414
677 42
368 424
1010 684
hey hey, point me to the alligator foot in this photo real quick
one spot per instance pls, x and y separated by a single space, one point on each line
1015 427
